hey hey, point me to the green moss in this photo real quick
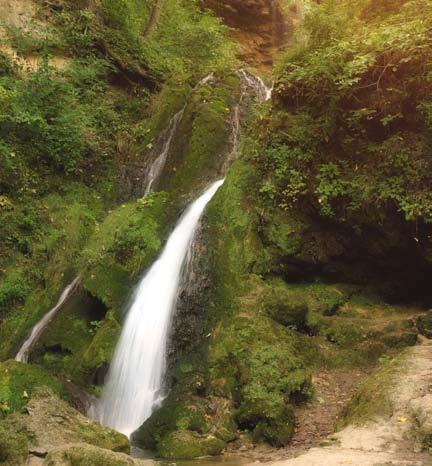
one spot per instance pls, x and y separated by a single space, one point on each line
122 246
189 445
103 438
171 417
18 381
13 446
343 334
100 351
372 399
277 432
54 229
400 340
201 142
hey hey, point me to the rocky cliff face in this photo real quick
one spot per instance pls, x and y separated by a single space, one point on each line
262 27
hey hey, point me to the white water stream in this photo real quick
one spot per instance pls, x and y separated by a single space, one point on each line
135 379
134 386
36 332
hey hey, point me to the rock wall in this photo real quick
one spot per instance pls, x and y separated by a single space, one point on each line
262 27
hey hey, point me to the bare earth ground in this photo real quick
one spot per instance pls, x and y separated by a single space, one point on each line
393 440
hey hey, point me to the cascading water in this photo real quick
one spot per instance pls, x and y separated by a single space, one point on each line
261 90
134 385
136 374
263 93
27 346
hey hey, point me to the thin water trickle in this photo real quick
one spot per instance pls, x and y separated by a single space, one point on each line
159 162
160 159
36 332
134 386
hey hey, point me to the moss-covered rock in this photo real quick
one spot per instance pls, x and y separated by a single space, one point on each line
172 416
373 399
49 422
98 354
343 334
81 454
188 445
200 145
122 246
18 381
400 340
289 309
13 446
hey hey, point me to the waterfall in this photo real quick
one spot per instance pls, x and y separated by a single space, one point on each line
134 386
135 378
36 332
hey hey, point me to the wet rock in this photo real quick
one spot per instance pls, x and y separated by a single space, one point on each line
88 455
188 325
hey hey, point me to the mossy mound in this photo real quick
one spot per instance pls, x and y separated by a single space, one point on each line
172 416
87 455
18 381
277 432
13 446
49 422
189 445
373 399
200 145
299 306
255 361
424 324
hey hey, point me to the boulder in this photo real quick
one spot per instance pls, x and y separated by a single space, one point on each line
189 445
49 422
81 454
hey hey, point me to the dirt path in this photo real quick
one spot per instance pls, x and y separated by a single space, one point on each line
394 439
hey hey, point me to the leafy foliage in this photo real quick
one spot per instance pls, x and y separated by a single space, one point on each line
352 132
